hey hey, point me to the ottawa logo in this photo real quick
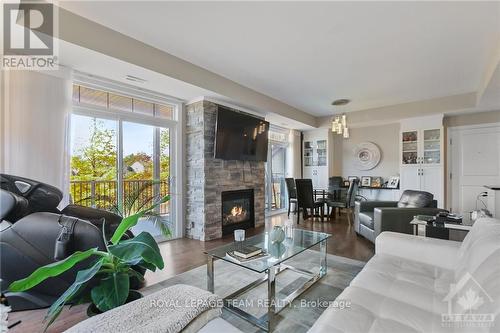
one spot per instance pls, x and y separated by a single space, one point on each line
469 305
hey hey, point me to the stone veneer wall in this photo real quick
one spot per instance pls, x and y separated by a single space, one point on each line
207 177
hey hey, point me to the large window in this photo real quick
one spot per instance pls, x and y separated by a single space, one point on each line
122 155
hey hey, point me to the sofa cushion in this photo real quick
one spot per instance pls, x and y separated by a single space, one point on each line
373 312
415 199
479 258
481 242
366 219
421 285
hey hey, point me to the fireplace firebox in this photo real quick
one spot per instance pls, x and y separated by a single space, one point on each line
237 210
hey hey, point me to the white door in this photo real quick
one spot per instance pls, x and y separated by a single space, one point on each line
431 181
475 162
410 178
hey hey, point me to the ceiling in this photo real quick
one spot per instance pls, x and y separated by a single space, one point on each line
307 54
100 65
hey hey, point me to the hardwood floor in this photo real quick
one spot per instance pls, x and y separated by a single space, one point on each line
182 255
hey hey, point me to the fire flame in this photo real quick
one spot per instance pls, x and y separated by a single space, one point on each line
236 211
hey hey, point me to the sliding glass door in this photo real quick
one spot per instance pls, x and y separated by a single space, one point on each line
124 167
146 174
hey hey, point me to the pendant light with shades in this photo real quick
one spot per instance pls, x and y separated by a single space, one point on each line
339 122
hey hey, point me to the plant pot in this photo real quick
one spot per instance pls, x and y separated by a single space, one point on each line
133 295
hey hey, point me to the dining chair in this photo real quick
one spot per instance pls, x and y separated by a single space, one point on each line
292 194
347 202
305 200
335 187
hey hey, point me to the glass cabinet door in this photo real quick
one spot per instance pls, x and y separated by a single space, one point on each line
321 151
410 147
432 146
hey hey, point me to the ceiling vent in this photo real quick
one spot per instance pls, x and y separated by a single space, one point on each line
135 79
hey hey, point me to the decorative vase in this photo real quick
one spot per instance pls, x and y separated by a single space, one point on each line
133 295
277 235
277 250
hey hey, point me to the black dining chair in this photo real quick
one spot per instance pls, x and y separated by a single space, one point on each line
334 187
305 200
292 194
333 192
347 202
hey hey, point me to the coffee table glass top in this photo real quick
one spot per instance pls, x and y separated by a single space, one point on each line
276 253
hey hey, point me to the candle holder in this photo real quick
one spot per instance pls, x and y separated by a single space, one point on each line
239 237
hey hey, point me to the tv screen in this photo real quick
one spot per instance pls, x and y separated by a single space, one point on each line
240 136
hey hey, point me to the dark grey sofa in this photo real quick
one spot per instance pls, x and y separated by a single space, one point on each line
373 217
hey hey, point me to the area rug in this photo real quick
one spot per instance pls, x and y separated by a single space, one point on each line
297 317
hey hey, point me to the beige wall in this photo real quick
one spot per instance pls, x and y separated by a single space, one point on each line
384 136
472 119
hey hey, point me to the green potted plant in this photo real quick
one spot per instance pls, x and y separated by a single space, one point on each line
110 271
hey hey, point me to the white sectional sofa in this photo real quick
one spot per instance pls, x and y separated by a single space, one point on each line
405 287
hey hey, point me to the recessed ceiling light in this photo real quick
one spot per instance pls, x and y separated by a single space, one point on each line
135 79
341 101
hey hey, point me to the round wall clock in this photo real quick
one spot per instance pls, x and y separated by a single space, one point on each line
367 155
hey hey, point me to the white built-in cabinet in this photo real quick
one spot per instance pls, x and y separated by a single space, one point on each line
315 157
421 156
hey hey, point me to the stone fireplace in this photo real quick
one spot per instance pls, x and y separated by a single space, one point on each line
207 178
237 210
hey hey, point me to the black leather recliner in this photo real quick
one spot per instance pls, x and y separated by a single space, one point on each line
28 232
373 217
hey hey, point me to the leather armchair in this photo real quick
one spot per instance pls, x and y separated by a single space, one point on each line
373 217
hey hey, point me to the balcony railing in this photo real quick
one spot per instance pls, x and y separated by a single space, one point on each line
103 194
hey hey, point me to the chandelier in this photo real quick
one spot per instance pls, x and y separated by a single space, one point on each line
339 125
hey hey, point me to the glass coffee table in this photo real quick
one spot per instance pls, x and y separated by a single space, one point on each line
272 265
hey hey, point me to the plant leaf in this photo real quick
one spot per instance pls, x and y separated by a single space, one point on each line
82 277
129 221
111 292
50 270
133 273
147 265
142 247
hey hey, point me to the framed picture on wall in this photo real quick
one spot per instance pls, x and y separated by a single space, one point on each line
376 182
393 182
366 181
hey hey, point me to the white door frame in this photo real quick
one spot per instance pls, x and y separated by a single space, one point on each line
449 136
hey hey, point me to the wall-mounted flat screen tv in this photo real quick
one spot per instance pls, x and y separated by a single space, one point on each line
240 136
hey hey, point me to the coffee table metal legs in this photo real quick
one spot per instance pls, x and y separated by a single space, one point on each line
210 273
268 321
322 262
271 297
